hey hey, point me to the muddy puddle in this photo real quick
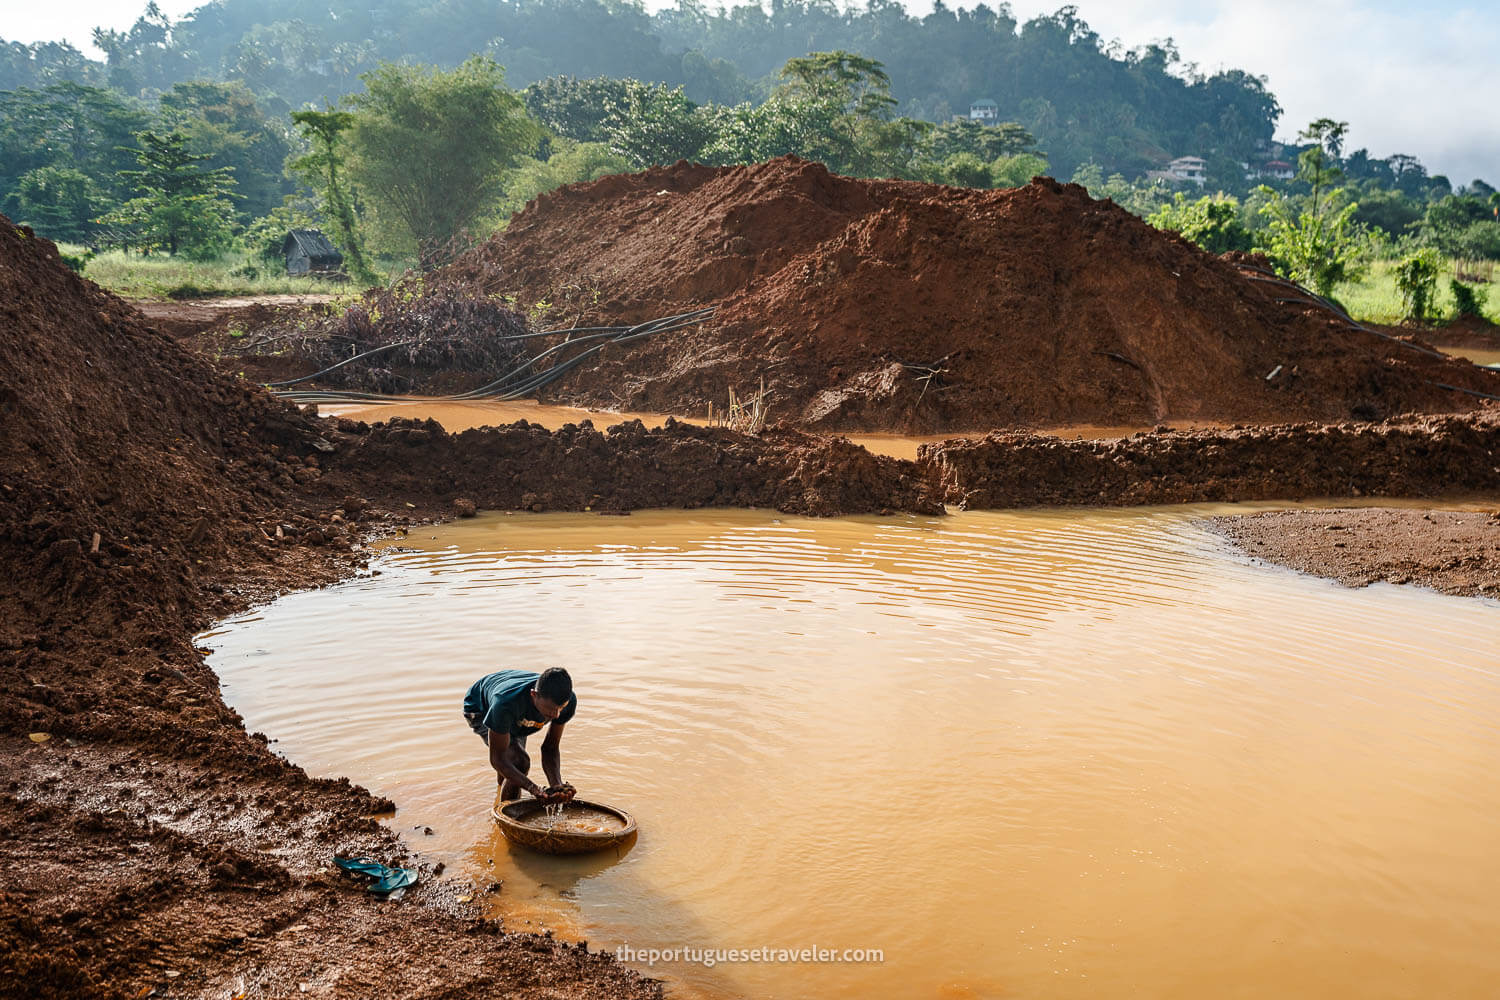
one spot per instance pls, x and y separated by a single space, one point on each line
1020 754
461 415
1489 357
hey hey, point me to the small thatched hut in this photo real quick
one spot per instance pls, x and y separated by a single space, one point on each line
308 251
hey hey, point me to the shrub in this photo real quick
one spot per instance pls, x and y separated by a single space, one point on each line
1416 279
1211 222
77 262
1468 299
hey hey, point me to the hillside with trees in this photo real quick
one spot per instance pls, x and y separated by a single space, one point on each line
1084 99
408 130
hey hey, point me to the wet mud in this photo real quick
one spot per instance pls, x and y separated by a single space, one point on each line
1456 552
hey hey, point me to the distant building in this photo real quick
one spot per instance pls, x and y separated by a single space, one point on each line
1189 168
1183 170
984 110
1279 169
1274 169
308 251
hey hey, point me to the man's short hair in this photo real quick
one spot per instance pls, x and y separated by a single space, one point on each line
555 685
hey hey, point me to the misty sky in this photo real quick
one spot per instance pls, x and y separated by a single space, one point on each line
1409 77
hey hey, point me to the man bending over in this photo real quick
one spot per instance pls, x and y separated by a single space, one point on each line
506 707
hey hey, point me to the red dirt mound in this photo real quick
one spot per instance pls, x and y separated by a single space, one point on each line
899 305
148 844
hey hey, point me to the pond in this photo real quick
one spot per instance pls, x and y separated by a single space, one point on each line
1082 753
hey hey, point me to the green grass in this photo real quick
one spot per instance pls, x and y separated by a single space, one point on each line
1373 299
162 277
1376 300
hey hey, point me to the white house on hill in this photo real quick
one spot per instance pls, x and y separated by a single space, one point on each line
984 110
1188 168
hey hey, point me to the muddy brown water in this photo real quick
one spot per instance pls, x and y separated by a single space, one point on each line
1480 356
1038 753
462 415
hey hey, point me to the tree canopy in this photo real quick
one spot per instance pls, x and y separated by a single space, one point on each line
430 149
1084 99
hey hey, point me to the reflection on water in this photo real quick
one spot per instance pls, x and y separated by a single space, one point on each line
1061 754
462 415
1479 355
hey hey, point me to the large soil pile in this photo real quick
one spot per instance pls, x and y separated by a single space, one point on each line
148 844
898 305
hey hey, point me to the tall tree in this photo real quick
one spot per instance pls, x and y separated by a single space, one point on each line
324 169
1314 239
852 94
432 148
650 124
225 121
59 202
181 205
71 126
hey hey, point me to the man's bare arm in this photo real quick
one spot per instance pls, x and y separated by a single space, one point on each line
504 770
552 754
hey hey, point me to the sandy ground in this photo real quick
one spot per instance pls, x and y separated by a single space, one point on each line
1451 551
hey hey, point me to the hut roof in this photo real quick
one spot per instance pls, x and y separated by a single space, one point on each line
310 242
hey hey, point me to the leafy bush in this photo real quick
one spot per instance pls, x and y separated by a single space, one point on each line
1468 299
1416 279
966 170
1211 222
1311 243
570 163
1017 170
77 261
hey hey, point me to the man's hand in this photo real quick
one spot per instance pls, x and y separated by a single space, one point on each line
555 794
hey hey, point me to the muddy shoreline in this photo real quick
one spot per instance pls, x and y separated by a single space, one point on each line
1455 552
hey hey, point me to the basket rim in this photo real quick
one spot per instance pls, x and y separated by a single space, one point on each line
529 835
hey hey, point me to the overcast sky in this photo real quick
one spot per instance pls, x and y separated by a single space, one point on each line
1409 77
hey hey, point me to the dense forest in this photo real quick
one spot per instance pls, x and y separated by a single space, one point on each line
403 129
1083 100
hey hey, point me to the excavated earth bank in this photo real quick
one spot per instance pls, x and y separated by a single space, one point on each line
1412 456
892 305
